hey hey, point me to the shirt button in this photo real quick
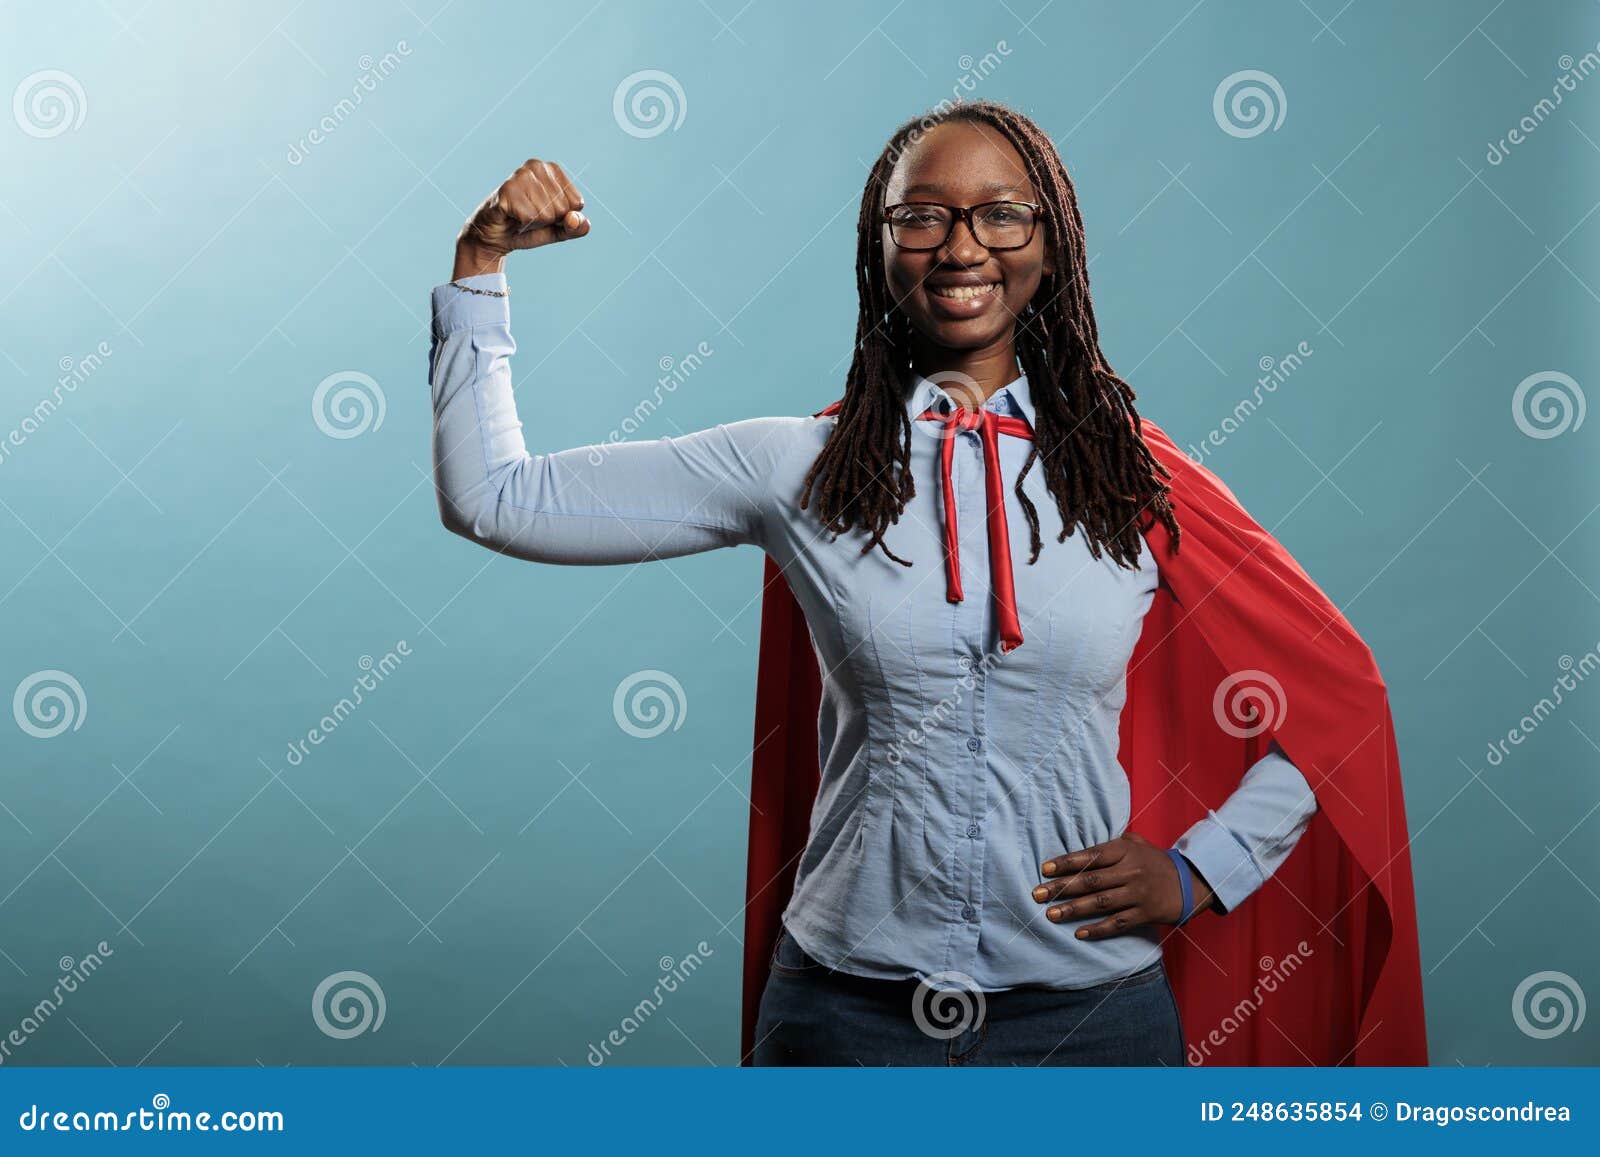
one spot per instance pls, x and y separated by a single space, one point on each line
968 914
972 743
972 831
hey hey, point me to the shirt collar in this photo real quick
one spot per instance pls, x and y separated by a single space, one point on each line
1014 398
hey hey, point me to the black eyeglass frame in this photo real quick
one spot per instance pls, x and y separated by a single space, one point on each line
960 213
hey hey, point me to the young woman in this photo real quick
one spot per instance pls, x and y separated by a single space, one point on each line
971 826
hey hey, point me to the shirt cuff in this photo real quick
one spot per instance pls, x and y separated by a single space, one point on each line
455 308
1225 864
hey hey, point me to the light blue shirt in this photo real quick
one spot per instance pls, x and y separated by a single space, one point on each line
949 772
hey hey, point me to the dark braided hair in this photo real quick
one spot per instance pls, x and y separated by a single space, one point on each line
1104 478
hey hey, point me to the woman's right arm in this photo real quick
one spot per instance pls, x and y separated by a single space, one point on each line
605 503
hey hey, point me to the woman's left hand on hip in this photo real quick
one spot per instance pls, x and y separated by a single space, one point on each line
1128 880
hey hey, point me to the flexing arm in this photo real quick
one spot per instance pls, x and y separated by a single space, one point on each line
612 503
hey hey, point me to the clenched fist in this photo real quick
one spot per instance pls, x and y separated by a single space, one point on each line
538 204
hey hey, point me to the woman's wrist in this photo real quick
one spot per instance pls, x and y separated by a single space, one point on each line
1197 894
1204 896
472 260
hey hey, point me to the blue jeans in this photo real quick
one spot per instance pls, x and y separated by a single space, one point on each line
813 1015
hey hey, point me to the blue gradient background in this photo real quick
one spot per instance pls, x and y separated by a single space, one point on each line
481 837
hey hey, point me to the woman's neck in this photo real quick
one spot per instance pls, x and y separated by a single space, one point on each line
988 369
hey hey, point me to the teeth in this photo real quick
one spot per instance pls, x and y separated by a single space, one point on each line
965 292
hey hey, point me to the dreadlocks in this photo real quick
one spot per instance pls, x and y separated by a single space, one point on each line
1096 463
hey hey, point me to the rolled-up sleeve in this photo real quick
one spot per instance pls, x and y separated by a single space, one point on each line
1240 844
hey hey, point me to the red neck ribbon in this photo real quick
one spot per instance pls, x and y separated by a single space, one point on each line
990 426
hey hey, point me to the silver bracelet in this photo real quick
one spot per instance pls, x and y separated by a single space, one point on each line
483 292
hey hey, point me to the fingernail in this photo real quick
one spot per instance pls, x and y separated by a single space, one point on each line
1041 893
1082 933
1049 866
1055 913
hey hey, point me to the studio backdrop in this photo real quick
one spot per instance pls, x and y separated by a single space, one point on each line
293 776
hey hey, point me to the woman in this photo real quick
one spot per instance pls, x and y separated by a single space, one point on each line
971 821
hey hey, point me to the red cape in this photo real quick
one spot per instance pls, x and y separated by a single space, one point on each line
1320 965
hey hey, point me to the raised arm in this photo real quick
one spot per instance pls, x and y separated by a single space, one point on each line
604 503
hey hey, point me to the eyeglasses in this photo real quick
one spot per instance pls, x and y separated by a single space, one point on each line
918 226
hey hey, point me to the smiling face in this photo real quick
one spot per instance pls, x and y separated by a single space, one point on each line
963 296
